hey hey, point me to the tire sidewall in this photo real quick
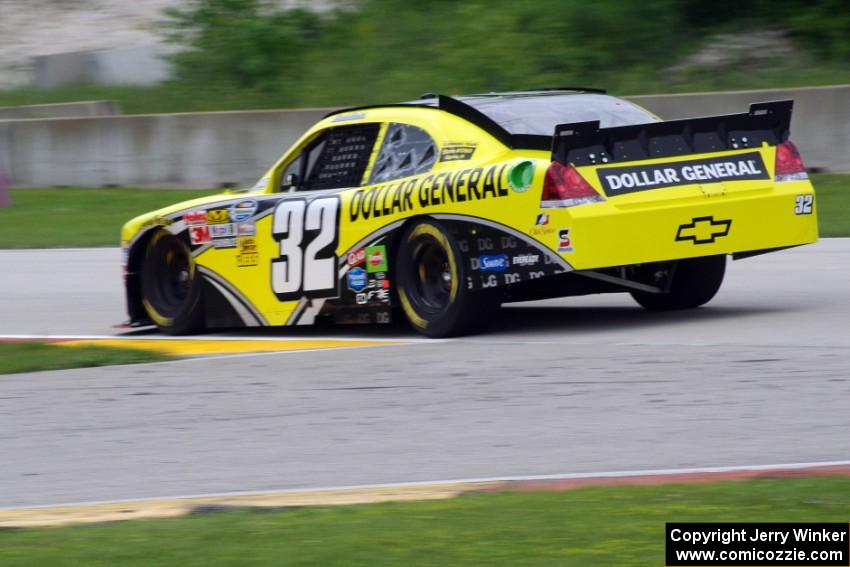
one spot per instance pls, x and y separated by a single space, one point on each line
188 316
448 320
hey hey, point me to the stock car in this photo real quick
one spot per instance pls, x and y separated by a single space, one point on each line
441 209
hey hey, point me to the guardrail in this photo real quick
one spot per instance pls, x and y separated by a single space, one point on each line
234 148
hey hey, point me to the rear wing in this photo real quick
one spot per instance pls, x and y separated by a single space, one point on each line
585 143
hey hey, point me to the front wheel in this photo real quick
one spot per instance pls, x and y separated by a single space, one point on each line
171 287
693 283
432 287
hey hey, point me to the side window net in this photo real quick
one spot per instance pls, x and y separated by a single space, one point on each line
343 157
407 150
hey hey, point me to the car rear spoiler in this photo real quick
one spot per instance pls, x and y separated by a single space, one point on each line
585 143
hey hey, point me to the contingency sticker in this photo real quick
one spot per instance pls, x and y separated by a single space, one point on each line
457 152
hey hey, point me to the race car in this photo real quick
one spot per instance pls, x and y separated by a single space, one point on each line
443 208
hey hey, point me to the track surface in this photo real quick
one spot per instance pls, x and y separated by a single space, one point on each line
761 375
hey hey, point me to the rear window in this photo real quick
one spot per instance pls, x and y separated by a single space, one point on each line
539 114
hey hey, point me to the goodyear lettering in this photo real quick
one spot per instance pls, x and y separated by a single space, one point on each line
393 198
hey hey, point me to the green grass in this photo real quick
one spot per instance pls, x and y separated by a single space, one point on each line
833 203
592 526
68 217
32 356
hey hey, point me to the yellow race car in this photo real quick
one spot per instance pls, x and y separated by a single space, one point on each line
445 207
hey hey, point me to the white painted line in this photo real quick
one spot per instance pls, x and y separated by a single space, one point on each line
391 485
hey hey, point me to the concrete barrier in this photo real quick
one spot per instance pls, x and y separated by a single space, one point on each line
61 110
164 150
213 149
140 65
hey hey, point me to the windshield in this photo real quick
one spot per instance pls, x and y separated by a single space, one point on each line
540 113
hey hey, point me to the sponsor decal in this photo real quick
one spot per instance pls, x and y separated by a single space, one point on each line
525 260
195 217
373 295
541 226
157 221
199 234
224 243
220 230
385 284
217 216
357 257
376 258
494 263
380 275
357 279
742 167
475 184
457 151
521 175
243 210
703 230
565 243
246 229
246 260
247 245
349 116
803 204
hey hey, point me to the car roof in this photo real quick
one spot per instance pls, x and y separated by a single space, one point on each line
504 115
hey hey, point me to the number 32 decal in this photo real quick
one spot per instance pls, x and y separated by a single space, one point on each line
803 204
307 234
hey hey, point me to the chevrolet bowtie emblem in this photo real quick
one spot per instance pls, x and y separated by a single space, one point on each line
703 230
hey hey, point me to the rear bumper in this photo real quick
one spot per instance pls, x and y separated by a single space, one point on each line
610 234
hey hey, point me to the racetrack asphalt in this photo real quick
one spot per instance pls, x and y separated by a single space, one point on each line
761 375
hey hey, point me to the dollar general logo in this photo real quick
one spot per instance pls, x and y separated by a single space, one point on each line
703 230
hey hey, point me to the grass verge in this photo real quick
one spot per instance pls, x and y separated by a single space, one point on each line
68 217
50 218
590 526
833 203
33 356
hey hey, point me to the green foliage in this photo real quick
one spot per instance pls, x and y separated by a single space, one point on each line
244 54
245 42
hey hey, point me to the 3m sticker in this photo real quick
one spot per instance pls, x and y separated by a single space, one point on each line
200 234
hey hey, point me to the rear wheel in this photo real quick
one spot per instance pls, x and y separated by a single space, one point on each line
694 282
171 288
432 287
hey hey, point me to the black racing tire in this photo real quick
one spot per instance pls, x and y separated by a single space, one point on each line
694 282
431 279
171 286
